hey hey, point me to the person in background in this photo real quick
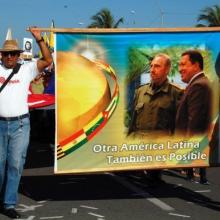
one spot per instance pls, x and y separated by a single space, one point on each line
50 113
49 86
194 111
214 154
14 118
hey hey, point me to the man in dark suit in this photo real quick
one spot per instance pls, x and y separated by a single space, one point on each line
194 111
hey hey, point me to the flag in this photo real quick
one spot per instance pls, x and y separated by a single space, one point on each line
39 100
9 35
28 46
51 37
46 40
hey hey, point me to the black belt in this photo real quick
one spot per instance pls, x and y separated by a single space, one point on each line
14 118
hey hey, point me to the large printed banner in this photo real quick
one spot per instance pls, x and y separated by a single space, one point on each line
111 116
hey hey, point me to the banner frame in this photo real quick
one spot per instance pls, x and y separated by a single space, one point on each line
127 30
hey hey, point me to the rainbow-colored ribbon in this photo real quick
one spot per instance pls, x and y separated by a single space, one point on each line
85 134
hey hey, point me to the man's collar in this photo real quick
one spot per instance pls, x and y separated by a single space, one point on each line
195 76
164 88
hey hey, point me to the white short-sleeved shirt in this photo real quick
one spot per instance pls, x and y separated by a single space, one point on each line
13 98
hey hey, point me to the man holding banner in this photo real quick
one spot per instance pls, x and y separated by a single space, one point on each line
14 117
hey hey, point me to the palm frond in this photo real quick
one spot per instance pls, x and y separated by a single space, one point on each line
104 19
210 16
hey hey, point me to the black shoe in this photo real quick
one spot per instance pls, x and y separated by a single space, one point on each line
155 182
159 181
204 182
11 213
191 179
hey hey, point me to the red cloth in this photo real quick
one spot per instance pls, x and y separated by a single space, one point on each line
40 100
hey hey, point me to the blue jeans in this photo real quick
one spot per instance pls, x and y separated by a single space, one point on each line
14 141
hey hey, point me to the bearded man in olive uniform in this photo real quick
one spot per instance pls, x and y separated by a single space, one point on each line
155 104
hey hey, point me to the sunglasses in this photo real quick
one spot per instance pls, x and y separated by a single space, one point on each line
11 53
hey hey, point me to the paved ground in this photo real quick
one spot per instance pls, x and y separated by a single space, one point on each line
111 196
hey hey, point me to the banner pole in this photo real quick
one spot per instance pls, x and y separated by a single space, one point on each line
126 30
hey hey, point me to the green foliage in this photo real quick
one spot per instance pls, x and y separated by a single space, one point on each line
208 63
138 62
127 119
104 19
211 17
139 59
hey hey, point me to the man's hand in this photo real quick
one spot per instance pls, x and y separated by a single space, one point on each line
46 59
35 32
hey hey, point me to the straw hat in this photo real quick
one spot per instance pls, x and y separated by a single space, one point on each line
10 45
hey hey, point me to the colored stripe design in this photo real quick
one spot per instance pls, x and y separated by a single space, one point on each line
79 138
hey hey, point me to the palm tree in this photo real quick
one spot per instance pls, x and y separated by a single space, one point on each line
104 19
211 16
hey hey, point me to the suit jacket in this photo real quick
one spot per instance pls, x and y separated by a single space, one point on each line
194 111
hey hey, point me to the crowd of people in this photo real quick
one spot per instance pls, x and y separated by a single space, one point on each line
158 106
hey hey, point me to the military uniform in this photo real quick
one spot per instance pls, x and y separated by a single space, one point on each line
155 108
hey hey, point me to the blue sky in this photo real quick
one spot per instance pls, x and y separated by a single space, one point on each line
20 14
